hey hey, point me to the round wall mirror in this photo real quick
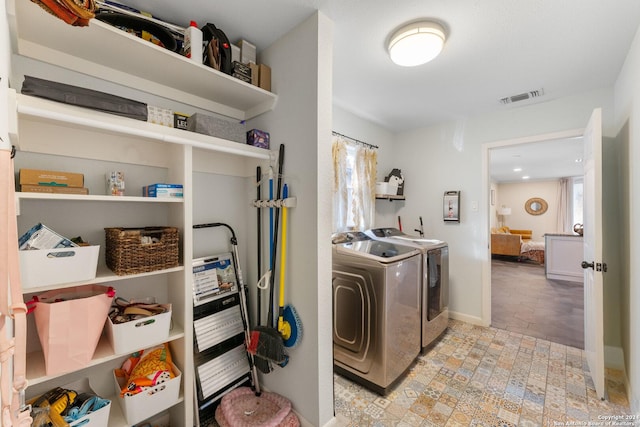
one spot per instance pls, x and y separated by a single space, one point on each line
536 206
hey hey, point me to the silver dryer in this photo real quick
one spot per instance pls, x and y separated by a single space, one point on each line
435 279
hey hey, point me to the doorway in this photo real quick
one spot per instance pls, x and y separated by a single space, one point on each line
519 296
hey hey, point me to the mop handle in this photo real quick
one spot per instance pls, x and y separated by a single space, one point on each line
283 253
270 218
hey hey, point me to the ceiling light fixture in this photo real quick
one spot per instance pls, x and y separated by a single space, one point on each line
416 43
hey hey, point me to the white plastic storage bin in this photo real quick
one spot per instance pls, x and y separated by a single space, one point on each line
148 403
386 188
139 334
99 418
44 267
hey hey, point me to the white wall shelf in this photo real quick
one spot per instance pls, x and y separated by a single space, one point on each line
36 373
389 197
103 275
96 198
45 111
105 52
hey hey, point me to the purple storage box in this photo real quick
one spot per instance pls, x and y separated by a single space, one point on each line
258 138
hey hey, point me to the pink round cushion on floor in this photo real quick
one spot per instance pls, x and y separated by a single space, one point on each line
242 408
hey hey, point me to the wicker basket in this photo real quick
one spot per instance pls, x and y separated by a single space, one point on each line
126 253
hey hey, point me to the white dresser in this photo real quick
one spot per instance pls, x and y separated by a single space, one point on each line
563 257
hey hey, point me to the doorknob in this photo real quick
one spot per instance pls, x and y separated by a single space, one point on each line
586 264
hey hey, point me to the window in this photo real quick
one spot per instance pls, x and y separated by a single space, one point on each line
352 183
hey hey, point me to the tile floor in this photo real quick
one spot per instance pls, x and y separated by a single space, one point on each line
479 376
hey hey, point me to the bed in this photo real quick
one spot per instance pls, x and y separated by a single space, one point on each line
532 250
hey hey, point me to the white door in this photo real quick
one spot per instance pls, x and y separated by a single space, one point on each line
593 263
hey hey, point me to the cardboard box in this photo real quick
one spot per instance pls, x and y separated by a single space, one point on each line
29 188
264 79
148 403
46 267
258 138
162 190
139 334
97 418
247 52
255 74
214 126
51 178
180 121
160 116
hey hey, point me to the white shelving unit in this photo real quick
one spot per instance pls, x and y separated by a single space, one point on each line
65 137
108 53
87 137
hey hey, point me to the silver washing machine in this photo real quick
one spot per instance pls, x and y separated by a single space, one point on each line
435 279
376 309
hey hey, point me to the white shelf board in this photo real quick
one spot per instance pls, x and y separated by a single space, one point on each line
103 275
83 118
96 198
36 372
105 52
389 197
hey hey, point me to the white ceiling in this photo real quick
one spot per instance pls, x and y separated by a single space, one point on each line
494 49
537 161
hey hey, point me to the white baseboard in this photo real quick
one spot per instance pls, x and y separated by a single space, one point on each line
337 421
614 358
466 318
303 421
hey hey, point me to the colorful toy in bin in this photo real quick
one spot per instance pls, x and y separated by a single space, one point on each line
146 369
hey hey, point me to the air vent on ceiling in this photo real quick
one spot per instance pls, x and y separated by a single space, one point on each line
522 96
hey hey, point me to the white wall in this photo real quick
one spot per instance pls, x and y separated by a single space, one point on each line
627 123
302 72
514 196
442 157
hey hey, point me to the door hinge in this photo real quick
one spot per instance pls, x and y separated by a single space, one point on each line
601 267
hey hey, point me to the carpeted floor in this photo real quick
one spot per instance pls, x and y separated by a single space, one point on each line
478 376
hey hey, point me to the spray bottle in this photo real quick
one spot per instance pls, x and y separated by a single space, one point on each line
193 42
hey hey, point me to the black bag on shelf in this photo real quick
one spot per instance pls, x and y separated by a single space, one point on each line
137 25
82 97
217 52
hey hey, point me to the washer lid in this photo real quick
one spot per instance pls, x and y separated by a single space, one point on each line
394 233
385 252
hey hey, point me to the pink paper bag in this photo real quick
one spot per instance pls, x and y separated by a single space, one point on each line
69 323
